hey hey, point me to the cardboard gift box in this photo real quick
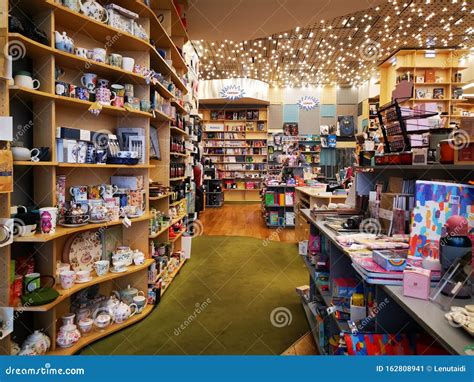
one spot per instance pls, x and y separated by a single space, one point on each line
416 283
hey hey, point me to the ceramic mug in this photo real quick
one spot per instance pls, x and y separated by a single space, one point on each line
67 279
103 83
81 52
104 96
140 302
82 93
118 101
89 80
101 267
83 276
115 59
145 105
48 217
108 191
99 55
62 88
79 193
113 213
119 266
118 89
95 192
138 258
24 79
74 5
128 63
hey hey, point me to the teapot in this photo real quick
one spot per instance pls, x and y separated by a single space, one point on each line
127 295
37 341
64 42
28 350
68 335
93 9
122 312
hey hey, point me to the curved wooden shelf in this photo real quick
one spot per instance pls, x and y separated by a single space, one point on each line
160 232
171 278
152 198
178 179
122 40
179 108
36 164
65 293
177 130
63 231
178 235
97 335
178 154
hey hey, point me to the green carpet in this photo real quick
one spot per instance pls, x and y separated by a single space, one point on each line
221 303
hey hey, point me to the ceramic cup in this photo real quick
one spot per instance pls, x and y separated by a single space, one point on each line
89 80
138 258
114 213
26 81
103 83
108 191
82 93
83 276
81 52
104 96
67 279
101 267
48 217
118 89
128 63
61 267
99 55
95 192
119 266
62 88
85 325
79 193
118 101
115 59
140 302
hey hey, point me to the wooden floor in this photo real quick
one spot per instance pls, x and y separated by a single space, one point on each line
242 220
304 346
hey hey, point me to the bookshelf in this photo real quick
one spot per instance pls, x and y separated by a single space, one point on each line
235 140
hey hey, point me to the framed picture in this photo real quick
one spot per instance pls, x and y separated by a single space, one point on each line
154 143
290 129
438 93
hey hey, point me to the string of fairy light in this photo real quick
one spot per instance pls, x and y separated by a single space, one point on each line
345 50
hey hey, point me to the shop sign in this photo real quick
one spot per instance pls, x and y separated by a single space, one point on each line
232 92
308 103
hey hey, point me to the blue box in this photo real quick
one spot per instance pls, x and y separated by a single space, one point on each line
391 260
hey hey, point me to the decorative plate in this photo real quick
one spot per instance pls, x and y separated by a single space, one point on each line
82 250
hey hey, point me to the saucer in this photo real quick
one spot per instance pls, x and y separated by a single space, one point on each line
83 281
122 271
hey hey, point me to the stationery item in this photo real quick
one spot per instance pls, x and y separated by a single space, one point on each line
90 156
100 156
61 190
417 283
81 152
42 295
31 281
48 218
436 202
391 260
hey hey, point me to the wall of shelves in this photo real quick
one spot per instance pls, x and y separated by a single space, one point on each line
48 110
235 140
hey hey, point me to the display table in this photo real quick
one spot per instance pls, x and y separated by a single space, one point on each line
406 311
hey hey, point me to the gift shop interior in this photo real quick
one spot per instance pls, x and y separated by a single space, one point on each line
181 177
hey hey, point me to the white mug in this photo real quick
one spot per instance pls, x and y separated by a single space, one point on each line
67 279
128 63
99 55
84 275
26 82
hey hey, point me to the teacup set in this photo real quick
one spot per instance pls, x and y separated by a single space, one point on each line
68 277
25 79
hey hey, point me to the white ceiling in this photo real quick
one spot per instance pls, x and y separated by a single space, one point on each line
216 20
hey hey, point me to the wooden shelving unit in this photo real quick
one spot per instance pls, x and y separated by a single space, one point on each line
237 146
445 66
49 110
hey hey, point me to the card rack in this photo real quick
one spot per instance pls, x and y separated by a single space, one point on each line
393 128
